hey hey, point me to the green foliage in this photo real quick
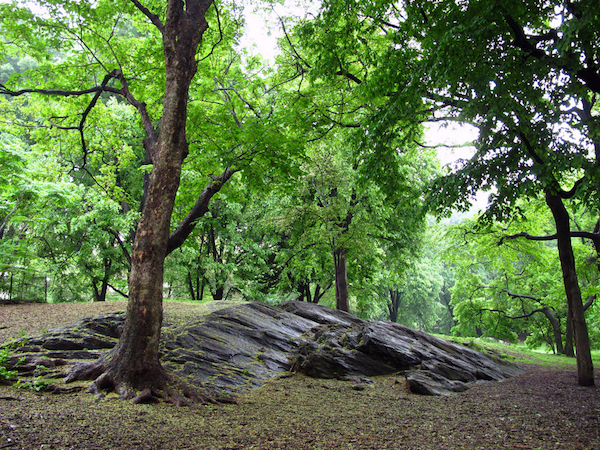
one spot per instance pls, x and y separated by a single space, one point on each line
36 384
504 282
5 373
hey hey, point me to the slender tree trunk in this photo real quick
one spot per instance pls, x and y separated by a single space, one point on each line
201 296
555 324
585 369
317 296
100 287
105 280
341 280
569 335
191 285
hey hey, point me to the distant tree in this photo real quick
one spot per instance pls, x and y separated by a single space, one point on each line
506 286
509 69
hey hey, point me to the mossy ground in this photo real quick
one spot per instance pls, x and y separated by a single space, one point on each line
543 408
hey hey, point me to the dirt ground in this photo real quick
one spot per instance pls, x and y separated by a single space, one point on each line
541 409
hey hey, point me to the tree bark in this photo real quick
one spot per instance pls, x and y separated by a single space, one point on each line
341 280
585 369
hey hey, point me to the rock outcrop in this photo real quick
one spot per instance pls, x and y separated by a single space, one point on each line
239 347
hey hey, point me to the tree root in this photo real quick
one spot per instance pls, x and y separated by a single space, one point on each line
167 387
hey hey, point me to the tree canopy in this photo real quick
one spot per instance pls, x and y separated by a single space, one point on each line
144 153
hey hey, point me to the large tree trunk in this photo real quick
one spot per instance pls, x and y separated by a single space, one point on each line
341 280
132 367
585 369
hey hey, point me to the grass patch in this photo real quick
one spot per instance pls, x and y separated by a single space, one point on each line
519 353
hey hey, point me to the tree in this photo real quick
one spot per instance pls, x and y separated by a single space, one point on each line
133 365
509 69
513 91
118 47
333 60
506 285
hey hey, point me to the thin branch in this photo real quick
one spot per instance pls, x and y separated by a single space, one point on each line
220 34
289 41
121 244
153 17
118 291
151 133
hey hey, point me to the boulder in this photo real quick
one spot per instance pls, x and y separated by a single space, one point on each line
240 346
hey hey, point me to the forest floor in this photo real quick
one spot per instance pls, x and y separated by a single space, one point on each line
542 409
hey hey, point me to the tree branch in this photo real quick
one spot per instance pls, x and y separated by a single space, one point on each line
97 91
523 316
350 76
153 17
187 225
577 234
121 244
151 133
118 291
220 33
528 237
589 75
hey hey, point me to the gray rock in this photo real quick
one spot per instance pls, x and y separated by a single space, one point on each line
426 382
239 347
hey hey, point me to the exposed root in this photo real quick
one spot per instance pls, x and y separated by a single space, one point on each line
167 388
86 371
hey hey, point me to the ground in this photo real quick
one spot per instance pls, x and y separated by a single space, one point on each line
543 408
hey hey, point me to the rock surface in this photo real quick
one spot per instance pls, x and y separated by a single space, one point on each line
239 347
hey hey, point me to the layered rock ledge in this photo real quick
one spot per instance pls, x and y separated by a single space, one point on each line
241 345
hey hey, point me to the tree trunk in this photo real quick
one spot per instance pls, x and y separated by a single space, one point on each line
318 295
394 305
569 335
202 285
341 280
585 369
133 364
218 293
191 285
100 291
555 330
